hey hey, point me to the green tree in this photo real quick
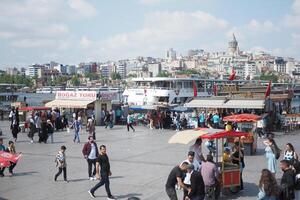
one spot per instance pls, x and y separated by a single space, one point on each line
268 77
75 81
92 76
163 74
16 79
188 72
116 76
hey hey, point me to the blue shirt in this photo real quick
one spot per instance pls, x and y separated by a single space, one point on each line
216 119
2 147
202 118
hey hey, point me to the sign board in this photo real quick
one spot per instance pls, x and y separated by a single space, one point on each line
108 96
76 95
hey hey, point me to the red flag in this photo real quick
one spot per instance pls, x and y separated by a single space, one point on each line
10 157
268 90
4 162
215 90
195 89
232 75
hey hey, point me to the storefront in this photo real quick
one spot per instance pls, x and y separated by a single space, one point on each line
85 101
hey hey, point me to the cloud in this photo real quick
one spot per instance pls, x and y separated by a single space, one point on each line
85 42
6 34
162 30
83 7
150 2
293 19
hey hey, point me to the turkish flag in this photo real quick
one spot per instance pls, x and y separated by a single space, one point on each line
232 75
4 162
5 156
195 89
268 90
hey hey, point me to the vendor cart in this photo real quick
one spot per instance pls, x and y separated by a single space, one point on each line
246 123
230 173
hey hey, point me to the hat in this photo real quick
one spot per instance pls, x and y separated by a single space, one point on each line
190 166
227 148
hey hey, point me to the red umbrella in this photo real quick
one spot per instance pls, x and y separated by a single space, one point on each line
242 118
34 108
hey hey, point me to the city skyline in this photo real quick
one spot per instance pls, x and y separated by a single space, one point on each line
73 31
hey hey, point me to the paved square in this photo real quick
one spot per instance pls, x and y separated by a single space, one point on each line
140 163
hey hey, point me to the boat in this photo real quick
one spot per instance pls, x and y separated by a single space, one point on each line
172 91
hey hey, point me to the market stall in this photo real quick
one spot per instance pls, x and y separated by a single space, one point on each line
246 123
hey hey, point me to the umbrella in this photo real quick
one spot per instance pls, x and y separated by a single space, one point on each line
242 118
185 137
224 134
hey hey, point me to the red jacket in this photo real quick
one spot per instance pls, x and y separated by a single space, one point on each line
87 149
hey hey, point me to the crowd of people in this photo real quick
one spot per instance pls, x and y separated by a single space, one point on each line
200 177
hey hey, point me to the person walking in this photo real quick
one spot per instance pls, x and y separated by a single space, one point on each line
61 163
287 181
210 174
32 128
175 177
77 128
107 119
268 188
90 128
90 153
270 155
130 120
297 179
198 150
14 117
197 191
37 123
102 173
202 119
50 131
290 154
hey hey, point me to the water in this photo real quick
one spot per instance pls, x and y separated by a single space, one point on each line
35 99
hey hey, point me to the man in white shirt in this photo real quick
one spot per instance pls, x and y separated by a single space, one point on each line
191 161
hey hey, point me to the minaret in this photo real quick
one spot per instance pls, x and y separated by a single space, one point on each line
233 46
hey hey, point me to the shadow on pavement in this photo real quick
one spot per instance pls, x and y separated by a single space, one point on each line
78 180
250 191
128 196
25 173
113 177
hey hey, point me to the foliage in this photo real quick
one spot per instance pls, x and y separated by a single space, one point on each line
92 76
163 74
268 77
188 72
16 79
115 76
75 81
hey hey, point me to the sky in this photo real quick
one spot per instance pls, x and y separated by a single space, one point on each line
74 31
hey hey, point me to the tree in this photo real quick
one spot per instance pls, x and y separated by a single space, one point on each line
163 74
116 76
75 80
16 79
268 77
188 72
92 76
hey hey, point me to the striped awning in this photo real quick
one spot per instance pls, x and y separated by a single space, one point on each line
68 103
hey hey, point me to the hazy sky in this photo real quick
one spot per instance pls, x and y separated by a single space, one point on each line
71 31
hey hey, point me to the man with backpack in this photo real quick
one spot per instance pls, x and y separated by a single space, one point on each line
287 181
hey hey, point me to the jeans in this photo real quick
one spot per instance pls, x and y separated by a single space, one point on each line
104 181
11 167
61 169
76 136
200 197
178 126
90 163
171 192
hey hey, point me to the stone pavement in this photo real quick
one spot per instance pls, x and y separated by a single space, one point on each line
140 163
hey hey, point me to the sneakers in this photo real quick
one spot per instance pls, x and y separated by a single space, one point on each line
91 194
111 197
92 178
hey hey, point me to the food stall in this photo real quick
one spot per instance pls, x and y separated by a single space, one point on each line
230 173
246 123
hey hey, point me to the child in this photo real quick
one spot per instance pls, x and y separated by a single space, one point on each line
61 163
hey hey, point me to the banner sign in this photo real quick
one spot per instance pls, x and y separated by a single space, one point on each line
6 158
76 95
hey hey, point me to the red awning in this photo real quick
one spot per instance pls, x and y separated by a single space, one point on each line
34 108
224 134
242 118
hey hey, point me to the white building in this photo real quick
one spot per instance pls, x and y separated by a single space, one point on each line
171 55
71 69
280 65
33 70
121 69
61 68
154 69
251 70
